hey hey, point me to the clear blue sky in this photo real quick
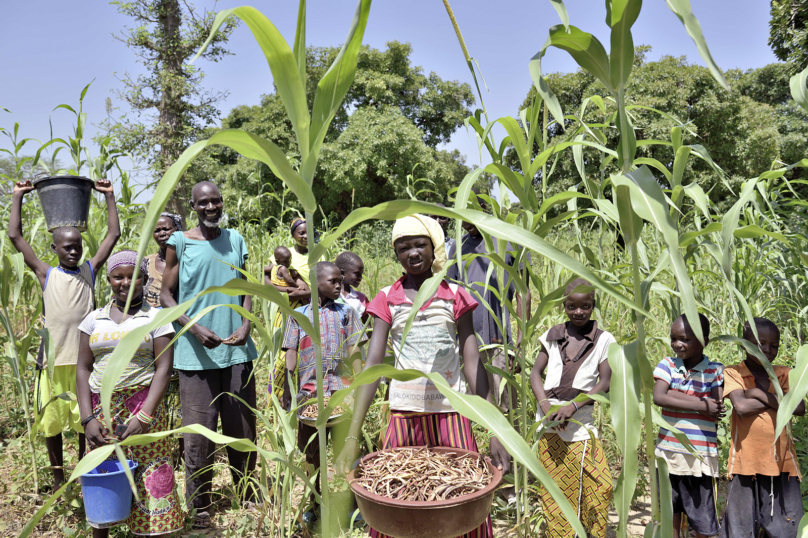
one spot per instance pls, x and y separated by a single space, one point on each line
52 49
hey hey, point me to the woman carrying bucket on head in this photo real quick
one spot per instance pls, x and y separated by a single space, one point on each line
138 398
442 334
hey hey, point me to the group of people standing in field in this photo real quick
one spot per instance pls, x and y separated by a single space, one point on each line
206 376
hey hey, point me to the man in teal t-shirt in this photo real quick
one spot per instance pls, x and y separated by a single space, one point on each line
215 355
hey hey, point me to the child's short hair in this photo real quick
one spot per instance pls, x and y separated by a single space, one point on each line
320 267
282 252
348 259
705 324
63 231
574 284
760 323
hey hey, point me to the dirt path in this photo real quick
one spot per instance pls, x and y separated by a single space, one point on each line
638 519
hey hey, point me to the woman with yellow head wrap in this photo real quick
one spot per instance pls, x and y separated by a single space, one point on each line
441 335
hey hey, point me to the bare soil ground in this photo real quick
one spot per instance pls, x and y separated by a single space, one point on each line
229 520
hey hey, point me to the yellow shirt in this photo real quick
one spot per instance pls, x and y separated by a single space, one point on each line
300 263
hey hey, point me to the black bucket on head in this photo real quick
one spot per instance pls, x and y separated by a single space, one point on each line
65 200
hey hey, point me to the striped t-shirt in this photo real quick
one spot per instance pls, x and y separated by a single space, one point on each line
698 382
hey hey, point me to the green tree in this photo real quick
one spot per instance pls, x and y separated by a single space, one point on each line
392 119
788 32
170 96
745 130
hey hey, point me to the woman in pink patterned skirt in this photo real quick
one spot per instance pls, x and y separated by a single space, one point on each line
138 399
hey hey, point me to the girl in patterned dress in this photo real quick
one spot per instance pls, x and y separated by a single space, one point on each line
138 399
573 360
441 334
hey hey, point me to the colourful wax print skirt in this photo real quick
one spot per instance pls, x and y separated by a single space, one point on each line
581 471
159 510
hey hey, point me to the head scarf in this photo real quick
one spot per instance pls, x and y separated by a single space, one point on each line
295 223
416 225
127 257
176 219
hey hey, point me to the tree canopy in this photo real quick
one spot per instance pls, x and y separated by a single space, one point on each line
165 36
746 130
388 128
788 32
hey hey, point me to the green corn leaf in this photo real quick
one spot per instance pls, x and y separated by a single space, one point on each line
332 88
66 107
730 224
625 408
542 157
485 223
476 409
797 389
585 49
126 470
630 223
802 529
627 146
514 182
262 331
753 230
650 203
517 139
283 64
696 193
665 499
676 137
682 10
461 202
621 16
561 9
560 198
543 89
84 91
300 41
674 119
578 158
655 164
799 91
687 238
679 164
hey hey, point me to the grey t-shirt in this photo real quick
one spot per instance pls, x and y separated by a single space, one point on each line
474 275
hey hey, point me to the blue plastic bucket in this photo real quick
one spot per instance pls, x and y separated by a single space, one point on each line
106 491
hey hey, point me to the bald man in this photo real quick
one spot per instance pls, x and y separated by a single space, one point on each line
215 356
67 297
